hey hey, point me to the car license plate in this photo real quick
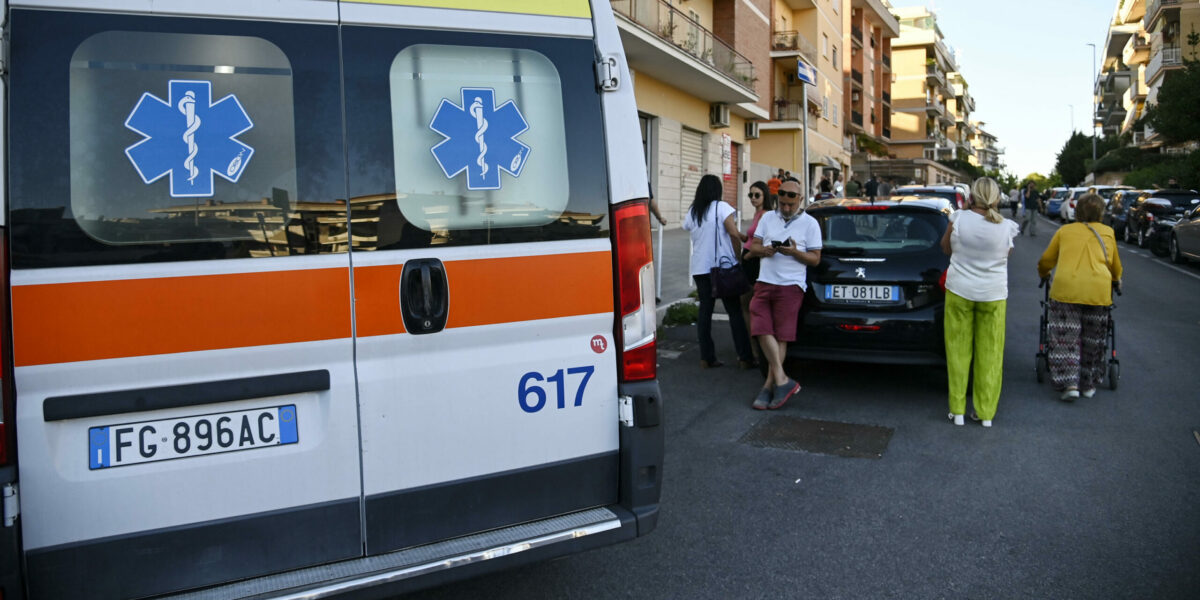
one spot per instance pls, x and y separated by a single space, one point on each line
183 437
863 293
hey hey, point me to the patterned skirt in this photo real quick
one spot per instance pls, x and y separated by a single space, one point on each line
1078 338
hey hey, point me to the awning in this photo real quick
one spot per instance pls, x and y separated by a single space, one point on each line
827 161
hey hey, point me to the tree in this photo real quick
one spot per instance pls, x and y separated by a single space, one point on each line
1174 116
1072 161
1044 182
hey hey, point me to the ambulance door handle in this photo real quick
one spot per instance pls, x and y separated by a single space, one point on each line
424 296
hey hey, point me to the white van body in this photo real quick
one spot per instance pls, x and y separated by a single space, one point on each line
319 295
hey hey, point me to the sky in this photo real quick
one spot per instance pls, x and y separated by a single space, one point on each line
1026 62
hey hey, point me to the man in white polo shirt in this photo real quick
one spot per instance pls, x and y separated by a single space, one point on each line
789 241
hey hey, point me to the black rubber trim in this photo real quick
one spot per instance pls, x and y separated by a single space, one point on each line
79 406
180 558
437 512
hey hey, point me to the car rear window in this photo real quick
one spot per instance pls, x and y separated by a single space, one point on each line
1059 195
893 231
1180 200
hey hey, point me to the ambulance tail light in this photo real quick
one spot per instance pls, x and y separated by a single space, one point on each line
634 263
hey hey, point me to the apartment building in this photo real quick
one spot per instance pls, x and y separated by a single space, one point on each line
868 31
812 31
1120 85
925 105
1168 23
986 153
701 77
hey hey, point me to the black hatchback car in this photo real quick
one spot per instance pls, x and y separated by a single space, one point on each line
876 296
1151 218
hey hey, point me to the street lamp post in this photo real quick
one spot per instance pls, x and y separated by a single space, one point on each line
1095 76
1072 117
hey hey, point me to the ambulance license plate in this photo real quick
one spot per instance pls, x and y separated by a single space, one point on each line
183 437
863 293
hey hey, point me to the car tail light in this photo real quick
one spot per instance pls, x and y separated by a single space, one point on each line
868 207
634 264
845 327
1149 217
961 199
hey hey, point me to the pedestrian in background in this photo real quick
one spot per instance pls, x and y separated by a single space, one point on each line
713 226
788 241
1033 205
1083 256
1014 202
872 188
774 181
978 241
885 188
853 187
763 202
839 190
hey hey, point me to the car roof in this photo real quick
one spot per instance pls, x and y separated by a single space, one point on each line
934 203
940 187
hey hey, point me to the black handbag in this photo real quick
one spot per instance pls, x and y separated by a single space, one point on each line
728 279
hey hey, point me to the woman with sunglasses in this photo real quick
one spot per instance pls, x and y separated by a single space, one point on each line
763 201
715 237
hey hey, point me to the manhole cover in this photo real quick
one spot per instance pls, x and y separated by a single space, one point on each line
824 437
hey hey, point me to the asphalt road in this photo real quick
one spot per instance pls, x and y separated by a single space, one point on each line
1096 499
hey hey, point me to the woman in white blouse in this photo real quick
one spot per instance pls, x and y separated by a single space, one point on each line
978 241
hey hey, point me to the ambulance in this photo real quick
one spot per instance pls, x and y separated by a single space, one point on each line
316 298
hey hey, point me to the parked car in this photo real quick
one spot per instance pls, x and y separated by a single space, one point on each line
953 193
1051 206
1067 208
1118 209
1152 217
1184 244
1104 191
876 296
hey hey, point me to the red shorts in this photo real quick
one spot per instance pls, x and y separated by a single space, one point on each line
775 309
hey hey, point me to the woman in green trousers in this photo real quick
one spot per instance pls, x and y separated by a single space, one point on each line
978 241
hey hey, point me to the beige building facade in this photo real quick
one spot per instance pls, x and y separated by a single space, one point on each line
869 30
808 30
700 73
1168 24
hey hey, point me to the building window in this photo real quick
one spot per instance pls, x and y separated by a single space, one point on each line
835 113
824 45
825 106
835 60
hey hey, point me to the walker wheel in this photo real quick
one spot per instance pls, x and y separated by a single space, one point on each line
1114 373
1042 368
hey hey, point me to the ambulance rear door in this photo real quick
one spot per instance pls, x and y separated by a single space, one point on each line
181 308
482 269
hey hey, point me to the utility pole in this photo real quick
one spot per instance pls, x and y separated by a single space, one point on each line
1072 117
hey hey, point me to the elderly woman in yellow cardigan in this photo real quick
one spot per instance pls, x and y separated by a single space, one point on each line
1083 256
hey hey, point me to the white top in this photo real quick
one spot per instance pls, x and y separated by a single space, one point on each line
704 256
979 256
805 234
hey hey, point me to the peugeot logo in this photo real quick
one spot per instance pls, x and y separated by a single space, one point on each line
860 272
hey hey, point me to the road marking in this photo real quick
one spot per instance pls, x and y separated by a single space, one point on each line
1159 261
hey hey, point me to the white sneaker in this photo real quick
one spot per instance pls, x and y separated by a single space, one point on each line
987 423
1088 393
957 419
1069 395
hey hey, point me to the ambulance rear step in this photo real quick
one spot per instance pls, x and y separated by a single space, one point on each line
353 575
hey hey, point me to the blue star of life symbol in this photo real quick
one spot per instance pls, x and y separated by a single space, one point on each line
189 138
480 138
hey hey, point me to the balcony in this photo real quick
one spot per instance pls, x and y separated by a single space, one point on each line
787 109
934 108
1168 58
856 77
1131 11
887 61
887 132
856 34
659 40
1136 51
935 76
887 97
1155 9
856 118
786 44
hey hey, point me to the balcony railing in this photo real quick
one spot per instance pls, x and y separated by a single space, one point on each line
1152 9
857 34
934 73
887 61
794 41
856 118
670 24
1168 57
887 97
887 132
856 75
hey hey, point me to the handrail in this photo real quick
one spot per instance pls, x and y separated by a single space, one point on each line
672 25
794 40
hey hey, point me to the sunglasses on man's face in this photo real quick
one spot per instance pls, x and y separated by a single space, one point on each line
789 194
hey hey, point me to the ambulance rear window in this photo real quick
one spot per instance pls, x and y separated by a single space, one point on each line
163 129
